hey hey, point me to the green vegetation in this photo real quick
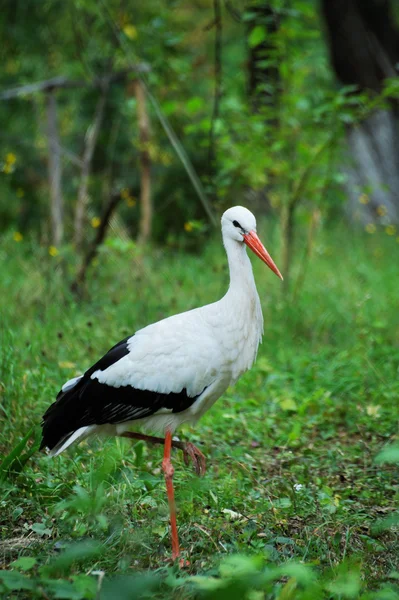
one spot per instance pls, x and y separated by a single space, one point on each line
294 503
110 180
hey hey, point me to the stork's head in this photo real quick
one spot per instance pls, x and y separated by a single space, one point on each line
239 224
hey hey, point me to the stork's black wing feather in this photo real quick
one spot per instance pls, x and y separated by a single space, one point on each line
90 402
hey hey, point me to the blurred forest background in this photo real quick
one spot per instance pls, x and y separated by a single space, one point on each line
126 129
156 117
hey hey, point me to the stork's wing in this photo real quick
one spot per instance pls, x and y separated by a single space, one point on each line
181 352
164 366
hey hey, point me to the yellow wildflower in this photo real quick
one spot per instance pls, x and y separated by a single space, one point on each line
188 226
364 199
18 237
10 158
20 193
390 229
382 210
130 31
7 168
130 201
53 251
95 222
370 228
125 193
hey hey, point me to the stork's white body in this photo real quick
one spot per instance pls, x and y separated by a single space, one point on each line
200 352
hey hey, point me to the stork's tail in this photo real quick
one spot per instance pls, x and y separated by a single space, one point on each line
70 439
58 428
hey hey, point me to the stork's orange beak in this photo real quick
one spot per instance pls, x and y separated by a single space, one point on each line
252 241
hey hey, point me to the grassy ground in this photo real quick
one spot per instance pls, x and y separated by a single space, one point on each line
291 449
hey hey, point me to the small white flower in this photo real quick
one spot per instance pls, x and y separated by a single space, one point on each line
298 487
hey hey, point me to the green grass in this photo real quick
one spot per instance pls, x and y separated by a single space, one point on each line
291 449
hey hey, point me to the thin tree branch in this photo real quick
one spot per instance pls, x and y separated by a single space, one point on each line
54 171
182 154
92 251
233 11
71 156
65 83
90 144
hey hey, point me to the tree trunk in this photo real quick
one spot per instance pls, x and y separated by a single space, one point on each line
145 225
90 145
54 171
364 51
373 175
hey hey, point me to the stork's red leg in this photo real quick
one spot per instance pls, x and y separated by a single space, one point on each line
189 450
168 469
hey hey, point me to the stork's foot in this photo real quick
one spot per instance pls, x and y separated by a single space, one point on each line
191 452
183 563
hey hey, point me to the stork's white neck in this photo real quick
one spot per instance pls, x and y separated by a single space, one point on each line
241 275
241 311
242 300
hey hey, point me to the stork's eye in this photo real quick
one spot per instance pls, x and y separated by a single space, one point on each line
236 224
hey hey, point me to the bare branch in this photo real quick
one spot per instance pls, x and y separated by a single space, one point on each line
106 215
90 144
54 171
57 83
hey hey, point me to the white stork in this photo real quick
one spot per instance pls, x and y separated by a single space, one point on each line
172 371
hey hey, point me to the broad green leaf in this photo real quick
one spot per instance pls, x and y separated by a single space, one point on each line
24 563
40 529
13 580
347 587
389 454
288 404
130 587
74 553
257 36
